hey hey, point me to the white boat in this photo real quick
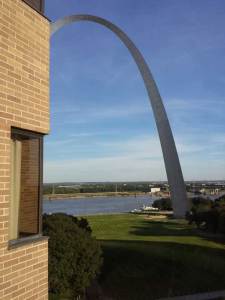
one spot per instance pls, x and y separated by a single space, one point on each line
136 210
149 208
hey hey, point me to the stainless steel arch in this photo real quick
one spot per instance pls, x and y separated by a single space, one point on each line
171 160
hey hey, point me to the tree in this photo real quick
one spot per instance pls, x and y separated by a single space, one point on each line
163 204
75 257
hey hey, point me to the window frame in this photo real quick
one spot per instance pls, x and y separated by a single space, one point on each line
38 236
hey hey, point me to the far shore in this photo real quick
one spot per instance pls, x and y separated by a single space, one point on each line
93 195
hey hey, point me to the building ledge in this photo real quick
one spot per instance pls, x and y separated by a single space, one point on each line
26 240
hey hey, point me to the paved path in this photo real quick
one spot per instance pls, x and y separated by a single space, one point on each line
203 296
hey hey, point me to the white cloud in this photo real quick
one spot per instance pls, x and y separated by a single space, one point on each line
185 106
104 169
139 158
90 114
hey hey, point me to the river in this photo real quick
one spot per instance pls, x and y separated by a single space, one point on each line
96 205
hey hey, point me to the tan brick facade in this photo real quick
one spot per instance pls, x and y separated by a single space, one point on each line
24 103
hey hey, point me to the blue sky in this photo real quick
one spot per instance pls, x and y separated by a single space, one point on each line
102 126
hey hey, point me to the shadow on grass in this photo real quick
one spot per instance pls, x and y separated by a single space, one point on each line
150 270
174 228
155 228
212 237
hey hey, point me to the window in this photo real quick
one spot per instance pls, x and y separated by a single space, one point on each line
26 183
36 4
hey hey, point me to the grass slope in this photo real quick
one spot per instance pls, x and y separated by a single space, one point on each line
145 259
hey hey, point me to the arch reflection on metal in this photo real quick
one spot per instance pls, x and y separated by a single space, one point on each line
171 160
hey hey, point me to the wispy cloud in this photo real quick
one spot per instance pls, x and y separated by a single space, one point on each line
103 169
94 134
216 106
128 168
138 158
87 114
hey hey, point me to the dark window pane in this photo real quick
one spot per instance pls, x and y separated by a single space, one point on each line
29 194
36 4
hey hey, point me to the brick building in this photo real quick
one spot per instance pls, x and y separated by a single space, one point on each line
24 119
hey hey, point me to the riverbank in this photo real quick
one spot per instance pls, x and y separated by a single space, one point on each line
93 195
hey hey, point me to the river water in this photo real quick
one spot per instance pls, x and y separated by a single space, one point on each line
96 205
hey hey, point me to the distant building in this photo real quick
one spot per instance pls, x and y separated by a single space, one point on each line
155 190
210 191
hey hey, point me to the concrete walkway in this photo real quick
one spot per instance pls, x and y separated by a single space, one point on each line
203 296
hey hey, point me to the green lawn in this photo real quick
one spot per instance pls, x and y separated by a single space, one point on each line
146 259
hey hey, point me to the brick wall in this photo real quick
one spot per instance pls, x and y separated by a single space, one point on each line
24 103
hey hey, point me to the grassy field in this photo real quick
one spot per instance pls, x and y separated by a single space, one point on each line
149 259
